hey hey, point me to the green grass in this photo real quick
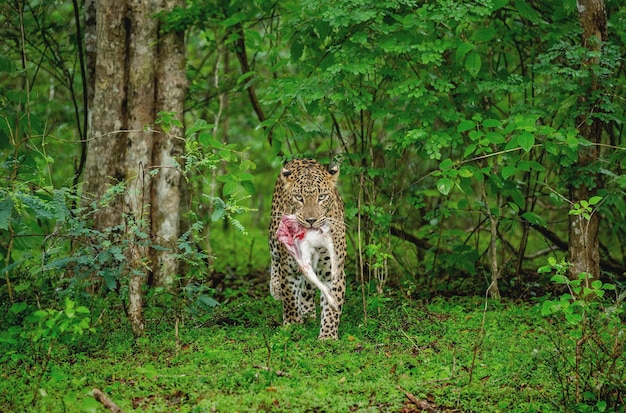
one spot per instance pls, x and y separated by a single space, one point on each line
242 360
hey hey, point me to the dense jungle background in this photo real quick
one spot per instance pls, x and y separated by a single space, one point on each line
481 148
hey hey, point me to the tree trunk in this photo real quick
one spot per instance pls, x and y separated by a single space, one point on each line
584 251
137 74
104 166
141 112
167 186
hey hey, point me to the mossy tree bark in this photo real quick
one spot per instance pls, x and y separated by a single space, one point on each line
139 71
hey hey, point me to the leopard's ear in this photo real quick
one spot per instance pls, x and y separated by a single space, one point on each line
284 173
333 171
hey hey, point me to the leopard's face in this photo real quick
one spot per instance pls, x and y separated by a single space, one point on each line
310 194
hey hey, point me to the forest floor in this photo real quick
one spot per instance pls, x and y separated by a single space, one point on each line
455 354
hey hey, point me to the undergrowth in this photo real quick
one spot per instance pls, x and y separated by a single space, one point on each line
448 353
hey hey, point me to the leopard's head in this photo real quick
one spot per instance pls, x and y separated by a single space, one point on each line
310 191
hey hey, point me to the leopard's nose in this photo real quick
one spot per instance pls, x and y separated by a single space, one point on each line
311 221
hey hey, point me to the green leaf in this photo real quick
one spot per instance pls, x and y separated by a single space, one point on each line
559 279
82 310
207 139
473 63
40 314
466 172
594 200
544 269
17 308
198 126
463 49
444 185
508 171
518 197
484 34
495 138
6 65
22 286
109 281
245 76
229 188
492 123
469 150
534 219
548 307
57 375
526 141
323 29
297 49
465 126
526 11
217 214
573 318
248 186
446 164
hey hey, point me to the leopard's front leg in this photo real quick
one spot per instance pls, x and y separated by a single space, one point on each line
334 277
329 329
291 299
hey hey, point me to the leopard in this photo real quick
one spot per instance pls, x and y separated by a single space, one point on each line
307 189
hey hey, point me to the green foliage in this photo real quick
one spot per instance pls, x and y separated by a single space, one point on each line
426 111
589 361
394 89
34 342
43 328
585 208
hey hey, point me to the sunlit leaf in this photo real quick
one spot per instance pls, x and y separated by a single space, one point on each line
444 185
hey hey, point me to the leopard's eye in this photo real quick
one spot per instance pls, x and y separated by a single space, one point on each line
298 197
322 197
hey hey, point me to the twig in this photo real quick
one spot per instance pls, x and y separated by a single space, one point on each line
481 334
423 405
361 252
279 373
106 402
176 335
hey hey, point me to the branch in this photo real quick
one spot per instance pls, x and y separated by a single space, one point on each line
106 402
400 233
550 236
422 405
82 131
240 50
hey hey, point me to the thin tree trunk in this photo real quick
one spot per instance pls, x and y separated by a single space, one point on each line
494 289
167 185
141 111
584 248
91 50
